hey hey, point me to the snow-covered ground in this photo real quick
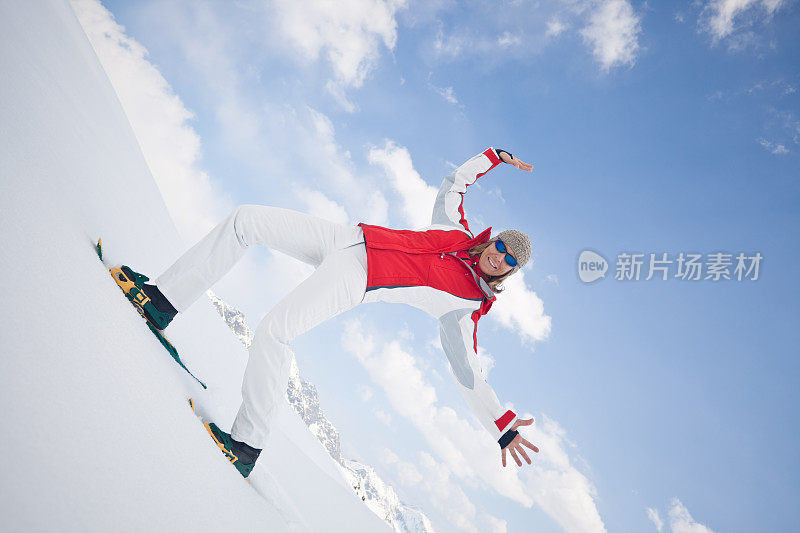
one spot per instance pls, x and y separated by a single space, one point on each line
97 434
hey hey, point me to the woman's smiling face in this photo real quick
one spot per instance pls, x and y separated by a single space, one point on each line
493 262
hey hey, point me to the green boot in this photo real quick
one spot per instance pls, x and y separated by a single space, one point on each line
240 454
147 299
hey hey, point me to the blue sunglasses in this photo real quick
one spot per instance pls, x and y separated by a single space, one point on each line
501 247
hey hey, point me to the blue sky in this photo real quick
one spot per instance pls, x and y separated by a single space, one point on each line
653 128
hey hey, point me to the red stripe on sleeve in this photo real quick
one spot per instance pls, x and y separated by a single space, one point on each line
492 155
463 220
504 420
475 316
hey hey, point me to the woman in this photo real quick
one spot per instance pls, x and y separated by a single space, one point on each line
443 269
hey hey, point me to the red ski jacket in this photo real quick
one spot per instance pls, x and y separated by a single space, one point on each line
423 269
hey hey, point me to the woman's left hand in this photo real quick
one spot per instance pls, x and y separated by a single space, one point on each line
515 446
511 160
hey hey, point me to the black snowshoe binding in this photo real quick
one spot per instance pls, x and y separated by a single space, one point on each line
147 299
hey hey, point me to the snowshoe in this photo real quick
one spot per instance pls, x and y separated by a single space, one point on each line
240 454
150 303
147 299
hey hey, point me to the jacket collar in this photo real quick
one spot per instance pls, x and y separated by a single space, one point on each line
482 237
472 262
488 294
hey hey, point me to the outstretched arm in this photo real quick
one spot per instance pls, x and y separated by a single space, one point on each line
448 210
457 331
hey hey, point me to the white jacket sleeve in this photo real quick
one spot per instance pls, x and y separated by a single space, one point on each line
457 331
448 210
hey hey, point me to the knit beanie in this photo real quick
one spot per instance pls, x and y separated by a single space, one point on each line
519 243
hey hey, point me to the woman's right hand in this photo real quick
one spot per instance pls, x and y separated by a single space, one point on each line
511 160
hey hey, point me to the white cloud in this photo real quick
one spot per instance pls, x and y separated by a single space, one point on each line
559 488
266 132
773 148
364 392
496 192
654 517
486 361
465 449
610 28
680 521
348 33
450 45
388 457
377 209
720 17
441 490
520 309
446 495
246 287
256 134
406 333
447 93
494 524
462 445
435 343
321 206
467 41
407 473
781 128
786 123
779 86
613 32
340 96
416 195
383 416
555 28
335 164
160 122
508 39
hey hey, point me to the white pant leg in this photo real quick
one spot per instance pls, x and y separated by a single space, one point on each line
338 284
304 237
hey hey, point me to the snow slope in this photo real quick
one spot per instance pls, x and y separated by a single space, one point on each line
96 433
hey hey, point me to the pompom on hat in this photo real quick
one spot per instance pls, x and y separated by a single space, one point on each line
519 243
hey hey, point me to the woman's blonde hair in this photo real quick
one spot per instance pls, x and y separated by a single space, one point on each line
495 282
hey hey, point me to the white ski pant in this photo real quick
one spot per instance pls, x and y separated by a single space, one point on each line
339 282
